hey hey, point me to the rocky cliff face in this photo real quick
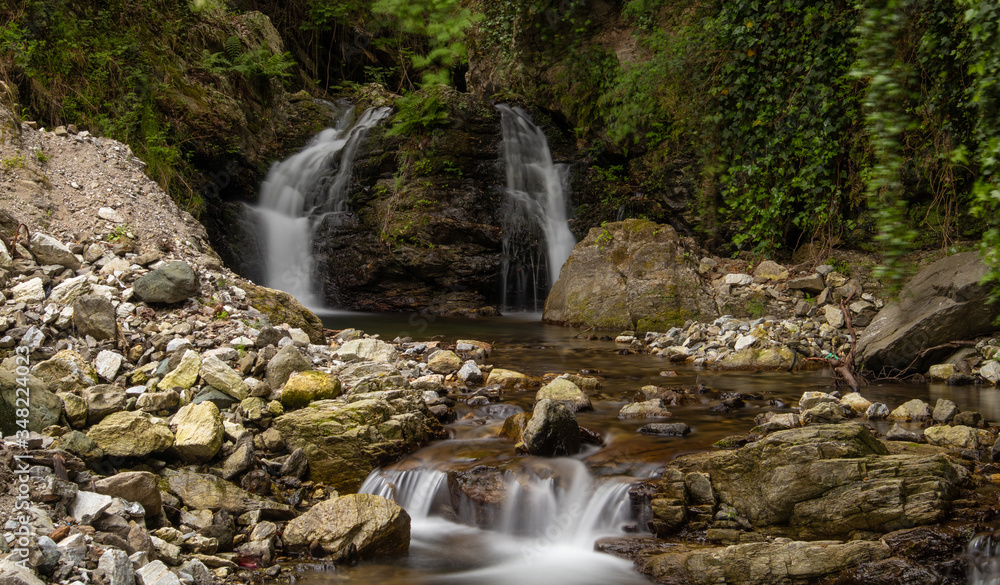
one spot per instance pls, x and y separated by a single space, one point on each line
423 229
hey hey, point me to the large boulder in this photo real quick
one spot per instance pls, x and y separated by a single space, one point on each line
369 350
552 430
134 486
280 367
762 563
131 434
171 283
944 302
373 525
828 481
220 376
281 307
345 439
633 274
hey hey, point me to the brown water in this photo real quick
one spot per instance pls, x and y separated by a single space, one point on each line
546 541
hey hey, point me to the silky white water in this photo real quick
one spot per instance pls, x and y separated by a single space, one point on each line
298 192
552 514
535 202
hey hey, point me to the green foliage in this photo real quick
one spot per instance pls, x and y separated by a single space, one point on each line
119 232
256 63
42 157
9 163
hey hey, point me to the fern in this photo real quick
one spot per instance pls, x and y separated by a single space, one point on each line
234 48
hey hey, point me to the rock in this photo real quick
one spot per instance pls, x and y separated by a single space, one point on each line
834 316
29 292
281 307
813 284
629 275
156 573
104 400
941 371
744 341
898 433
154 402
241 460
470 373
566 392
69 290
513 426
944 410
552 430
345 440
444 362
108 364
990 371
953 437
199 432
269 336
110 214
372 525
969 419
738 279
369 350
185 374
75 408
827 481
509 379
171 283
131 434
133 486
770 358
217 374
857 403
309 386
200 491
88 506
13 574
913 410
48 250
877 411
811 399
762 563
81 445
649 409
771 271
666 429
943 302
94 315
46 407
823 413
297 465
280 367
117 568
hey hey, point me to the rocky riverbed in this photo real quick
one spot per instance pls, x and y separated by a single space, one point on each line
188 426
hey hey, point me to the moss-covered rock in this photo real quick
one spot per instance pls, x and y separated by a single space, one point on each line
281 307
305 387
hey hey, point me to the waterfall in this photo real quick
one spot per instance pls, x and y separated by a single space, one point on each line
535 207
983 554
298 192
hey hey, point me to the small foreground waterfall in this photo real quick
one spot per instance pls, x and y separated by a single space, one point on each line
983 553
535 208
539 529
298 192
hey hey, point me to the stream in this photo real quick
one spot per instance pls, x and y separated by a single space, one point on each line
555 509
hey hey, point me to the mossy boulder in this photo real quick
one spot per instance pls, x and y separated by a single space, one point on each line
566 392
632 274
281 307
131 434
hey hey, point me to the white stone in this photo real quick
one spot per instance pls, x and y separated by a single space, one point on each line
241 341
65 317
109 214
117 567
88 506
107 364
744 341
117 266
470 373
30 292
68 290
738 279
223 353
178 344
156 573
73 548
123 310
33 338
5 258
991 371
220 376
48 250
859 306
109 292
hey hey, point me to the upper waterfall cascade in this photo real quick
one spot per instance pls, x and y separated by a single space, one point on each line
535 205
298 192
